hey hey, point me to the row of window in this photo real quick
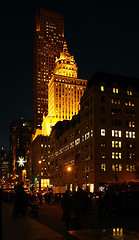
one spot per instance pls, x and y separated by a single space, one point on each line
116 90
117 133
115 144
119 167
74 143
118 155
114 167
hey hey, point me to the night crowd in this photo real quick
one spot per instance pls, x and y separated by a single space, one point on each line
106 205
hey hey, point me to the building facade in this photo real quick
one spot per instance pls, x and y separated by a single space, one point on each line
4 168
48 43
99 146
64 91
20 138
38 163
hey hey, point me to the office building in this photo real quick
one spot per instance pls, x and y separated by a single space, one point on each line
99 146
48 43
20 138
38 163
64 91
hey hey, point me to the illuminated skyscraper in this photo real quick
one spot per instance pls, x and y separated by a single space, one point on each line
64 91
48 43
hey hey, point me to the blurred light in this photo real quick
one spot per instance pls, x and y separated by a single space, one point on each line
69 169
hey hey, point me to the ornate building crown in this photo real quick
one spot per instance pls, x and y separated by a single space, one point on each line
65 64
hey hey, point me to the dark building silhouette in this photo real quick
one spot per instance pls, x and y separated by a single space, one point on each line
98 146
20 137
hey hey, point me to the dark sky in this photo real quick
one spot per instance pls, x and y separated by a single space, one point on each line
102 36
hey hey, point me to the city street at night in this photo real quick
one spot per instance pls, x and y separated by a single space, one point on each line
69 132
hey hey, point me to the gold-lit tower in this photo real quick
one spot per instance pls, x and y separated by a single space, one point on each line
64 91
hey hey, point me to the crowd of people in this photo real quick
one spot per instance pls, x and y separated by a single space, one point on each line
106 205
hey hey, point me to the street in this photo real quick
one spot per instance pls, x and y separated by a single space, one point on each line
49 225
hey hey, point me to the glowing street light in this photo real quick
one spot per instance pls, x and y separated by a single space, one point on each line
69 169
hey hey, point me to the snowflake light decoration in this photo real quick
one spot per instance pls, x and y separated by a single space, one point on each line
21 162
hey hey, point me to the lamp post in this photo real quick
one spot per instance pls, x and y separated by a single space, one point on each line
40 162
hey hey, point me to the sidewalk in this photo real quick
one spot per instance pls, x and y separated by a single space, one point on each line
25 228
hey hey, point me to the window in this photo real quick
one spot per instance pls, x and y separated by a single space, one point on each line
131 124
102 155
102 145
102 88
115 101
116 133
130 134
71 144
116 155
103 167
131 145
129 93
77 141
129 103
131 155
116 144
116 167
115 90
130 168
103 132
87 135
91 133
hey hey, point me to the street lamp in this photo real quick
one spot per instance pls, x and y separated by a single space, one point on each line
69 169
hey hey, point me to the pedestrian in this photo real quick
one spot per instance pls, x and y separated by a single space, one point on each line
67 207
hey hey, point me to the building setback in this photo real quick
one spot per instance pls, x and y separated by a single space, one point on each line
48 43
100 145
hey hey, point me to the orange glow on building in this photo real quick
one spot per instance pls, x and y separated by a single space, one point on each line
64 91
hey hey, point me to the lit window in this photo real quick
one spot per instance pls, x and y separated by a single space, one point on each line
103 132
87 135
71 144
102 88
129 93
116 167
115 90
77 141
103 155
116 133
130 134
103 167
131 124
130 168
102 145
116 155
91 133
116 144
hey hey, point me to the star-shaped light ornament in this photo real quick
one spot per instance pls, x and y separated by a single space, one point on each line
21 162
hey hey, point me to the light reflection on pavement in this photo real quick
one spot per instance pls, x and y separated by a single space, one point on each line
105 234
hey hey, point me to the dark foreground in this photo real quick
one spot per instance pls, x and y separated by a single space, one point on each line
49 225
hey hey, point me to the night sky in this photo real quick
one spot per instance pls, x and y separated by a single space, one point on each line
102 36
